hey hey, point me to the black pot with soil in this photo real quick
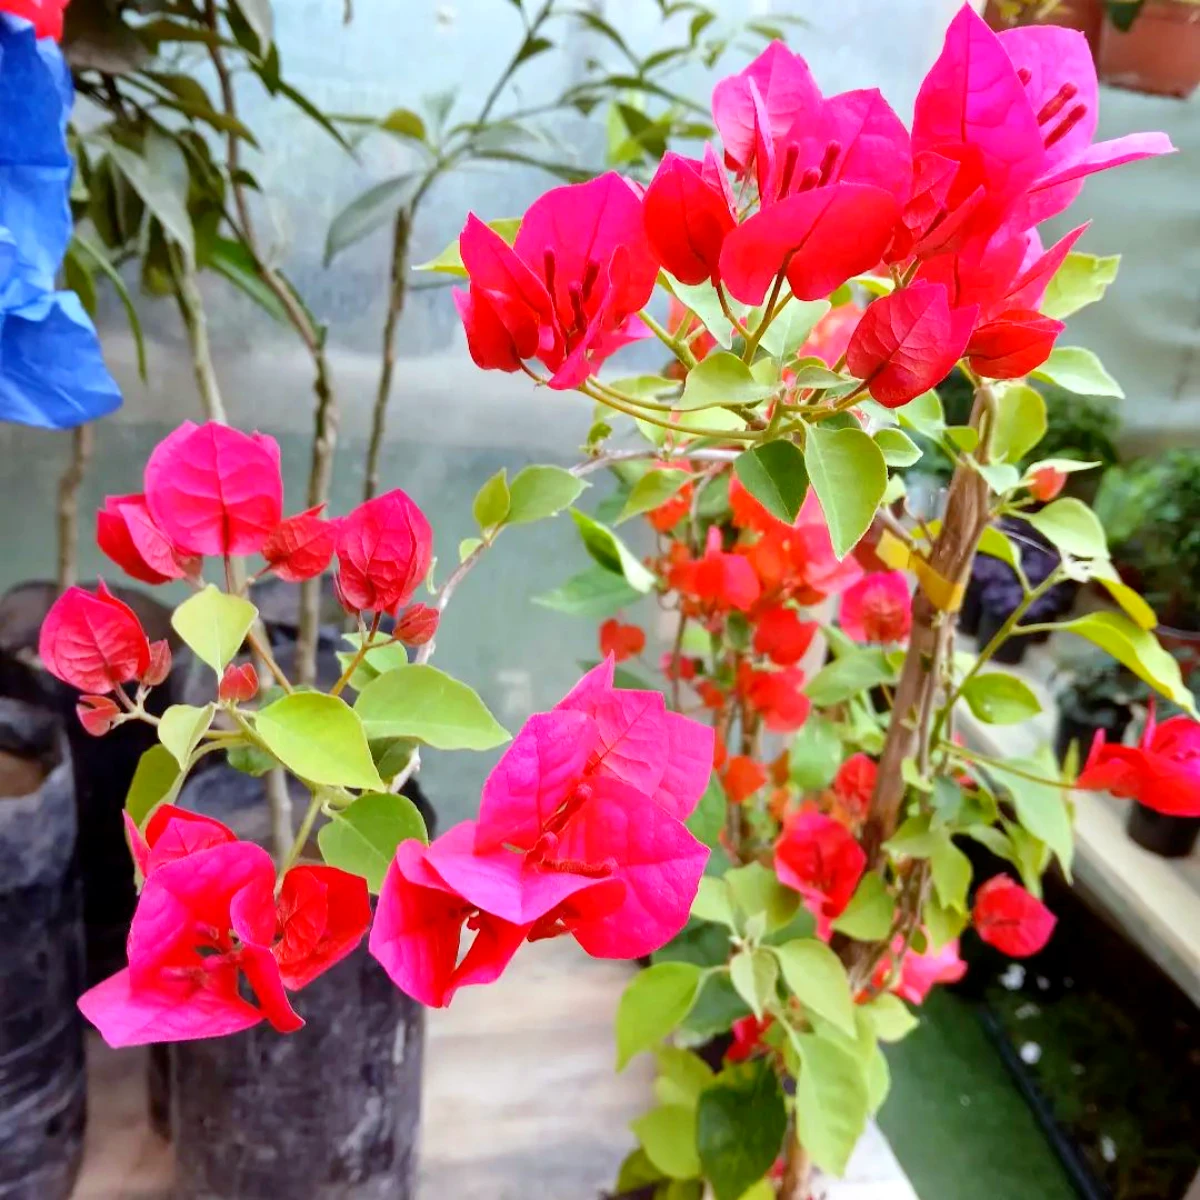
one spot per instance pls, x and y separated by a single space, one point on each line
43 1078
331 1111
1083 713
103 767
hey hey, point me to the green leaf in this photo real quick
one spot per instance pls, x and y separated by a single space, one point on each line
181 727
214 624
996 544
849 474
538 492
654 488
818 980
1136 649
708 817
914 838
714 902
755 889
655 1002
450 262
951 870
320 739
775 475
367 212
942 924
1002 477
1081 280
868 916
856 671
668 1136
159 175
1041 808
702 300
114 277
492 501
467 547
1001 699
924 415
612 553
741 1121
898 449
889 1017
404 123
722 380
1020 422
754 974
257 14
815 754
155 778
716 1008
637 1172
362 838
1071 528
250 760
427 705
1131 603
832 1103
596 593
235 262
1078 370
682 1076
789 331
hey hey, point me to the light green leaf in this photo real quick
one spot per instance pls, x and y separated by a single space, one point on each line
682 1076
832 1102
817 978
1131 603
362 838
214 624
257 14
1071 528
942 924
1002 477
156 778
850 476
492 501
181 727
1081 280
702 299
714 903
1136 649
951 870
654 488
789 331
159 175
1001 699
538 492
1041 808
856 671
996 544
1078 370
890 1017
754 974
708 817
611 552
813 373
815 754
914 838
646 387
422 703
924 415
899 450
755 889
369 211
741 1121
1020 421
596 593
450 262
722 380
868 916
775 475
668 1136
320 739
467 547
404 123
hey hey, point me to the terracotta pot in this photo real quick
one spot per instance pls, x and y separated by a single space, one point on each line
1085 15
1160 53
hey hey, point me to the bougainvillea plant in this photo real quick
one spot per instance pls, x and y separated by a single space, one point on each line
782 822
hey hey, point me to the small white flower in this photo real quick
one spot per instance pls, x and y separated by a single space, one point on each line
1108 1149
1013 977
1031 1052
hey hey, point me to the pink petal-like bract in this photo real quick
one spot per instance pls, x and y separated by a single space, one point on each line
300 547
323 913
822 237
126 533
384 550
1013 344
93 641
688 215
878 608
907 342
820 858
787 90
652 853
534 778
215 490
1008 917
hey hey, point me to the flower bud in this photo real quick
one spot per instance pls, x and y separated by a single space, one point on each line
417 624
238 684
160 664
97 714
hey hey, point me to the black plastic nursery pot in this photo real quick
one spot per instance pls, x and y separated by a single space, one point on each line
331 1112
1160 833
43 1079
1080 728
103 767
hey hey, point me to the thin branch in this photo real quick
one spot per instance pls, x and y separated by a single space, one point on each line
195 322
82 441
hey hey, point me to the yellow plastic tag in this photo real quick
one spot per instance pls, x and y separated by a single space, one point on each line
943 595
